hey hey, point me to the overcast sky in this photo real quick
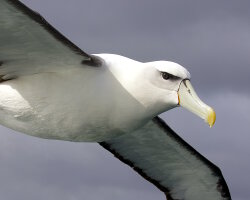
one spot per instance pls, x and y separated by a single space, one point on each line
210 38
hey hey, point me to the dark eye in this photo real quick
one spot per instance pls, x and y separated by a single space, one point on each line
165 75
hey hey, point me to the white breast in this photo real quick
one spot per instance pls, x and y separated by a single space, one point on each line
70 105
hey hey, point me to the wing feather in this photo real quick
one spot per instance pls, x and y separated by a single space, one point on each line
158 154
29 44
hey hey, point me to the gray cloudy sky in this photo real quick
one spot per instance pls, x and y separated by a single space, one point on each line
210 38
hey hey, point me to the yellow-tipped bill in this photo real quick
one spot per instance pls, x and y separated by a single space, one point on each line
211 117
189 100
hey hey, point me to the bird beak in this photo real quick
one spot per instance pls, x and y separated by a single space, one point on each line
188 99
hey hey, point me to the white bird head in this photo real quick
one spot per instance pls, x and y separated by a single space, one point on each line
176 79
159 86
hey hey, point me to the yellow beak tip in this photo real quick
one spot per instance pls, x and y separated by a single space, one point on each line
211 118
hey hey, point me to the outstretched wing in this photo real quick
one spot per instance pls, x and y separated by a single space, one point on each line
159 155
29 44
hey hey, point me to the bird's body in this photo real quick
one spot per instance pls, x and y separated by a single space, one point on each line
53 105
80 104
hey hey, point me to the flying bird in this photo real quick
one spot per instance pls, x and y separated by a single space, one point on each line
50 88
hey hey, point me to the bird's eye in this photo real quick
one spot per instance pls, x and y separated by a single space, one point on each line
165 75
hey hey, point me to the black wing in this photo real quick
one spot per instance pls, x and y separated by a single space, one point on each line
158 154
29 44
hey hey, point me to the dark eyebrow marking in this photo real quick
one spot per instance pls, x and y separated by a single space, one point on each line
171 76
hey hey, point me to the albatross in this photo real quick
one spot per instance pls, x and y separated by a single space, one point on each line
50 88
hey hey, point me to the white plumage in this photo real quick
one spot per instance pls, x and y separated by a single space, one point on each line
50 88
